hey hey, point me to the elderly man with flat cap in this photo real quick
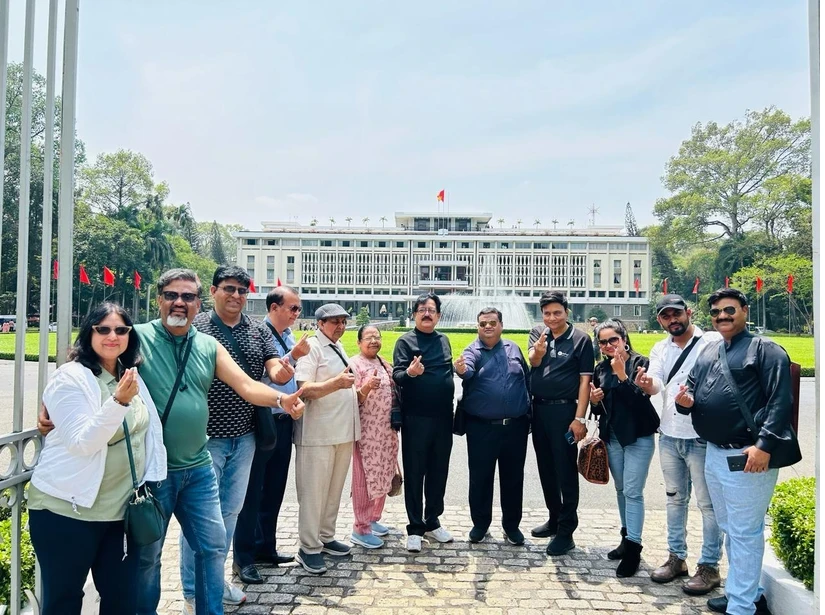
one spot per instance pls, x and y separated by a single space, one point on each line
323 438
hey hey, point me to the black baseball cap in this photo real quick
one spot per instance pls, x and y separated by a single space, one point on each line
670 301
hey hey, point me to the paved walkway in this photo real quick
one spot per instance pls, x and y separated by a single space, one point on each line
492 577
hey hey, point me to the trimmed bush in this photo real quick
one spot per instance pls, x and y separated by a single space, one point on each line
794 526
26 559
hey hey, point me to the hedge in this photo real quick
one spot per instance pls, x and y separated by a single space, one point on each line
26 560
793 531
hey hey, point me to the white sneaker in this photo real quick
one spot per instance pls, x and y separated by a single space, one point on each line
232 594
414 543
188 606
440 534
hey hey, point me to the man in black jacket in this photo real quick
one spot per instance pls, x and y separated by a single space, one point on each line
760 370
423 368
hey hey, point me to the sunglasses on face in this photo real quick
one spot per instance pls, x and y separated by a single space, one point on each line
231 290
728 309
119 331
483 324
611 340
295 309
172 296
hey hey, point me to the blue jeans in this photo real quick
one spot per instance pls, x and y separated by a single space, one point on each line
231 460
741 501
683 466
192 496
629 466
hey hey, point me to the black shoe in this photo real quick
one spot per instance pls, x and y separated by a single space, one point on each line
476 534
560 545
514 537
248 574
720 605
618 552
547 529
274 558
631 560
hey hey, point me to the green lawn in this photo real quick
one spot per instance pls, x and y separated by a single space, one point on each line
800 349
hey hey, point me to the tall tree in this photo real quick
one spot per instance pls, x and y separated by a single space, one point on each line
630 226
120 184
722 175
216 247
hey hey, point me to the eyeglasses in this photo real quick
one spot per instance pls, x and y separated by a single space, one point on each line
484 324
426 311
335 322
295 309
172 296
372 338
231 290
730 310
612 341
119 331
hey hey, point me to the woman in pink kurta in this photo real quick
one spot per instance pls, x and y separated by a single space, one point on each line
375 455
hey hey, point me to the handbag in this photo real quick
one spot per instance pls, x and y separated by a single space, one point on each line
787 452
397 481
592 460
266 433
144 521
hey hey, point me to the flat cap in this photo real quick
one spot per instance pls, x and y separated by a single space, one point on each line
670 302
330 310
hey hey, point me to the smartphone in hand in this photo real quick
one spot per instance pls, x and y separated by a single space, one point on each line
571 439
736 463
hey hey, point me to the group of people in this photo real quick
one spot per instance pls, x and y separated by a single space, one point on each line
205 406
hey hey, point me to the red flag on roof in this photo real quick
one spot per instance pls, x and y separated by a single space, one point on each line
440 196
664 286
108 277
758 285
696 286
55 269
137 280
252 286
790 283
279 281
84 277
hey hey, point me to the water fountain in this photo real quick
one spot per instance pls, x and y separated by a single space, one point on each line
461 309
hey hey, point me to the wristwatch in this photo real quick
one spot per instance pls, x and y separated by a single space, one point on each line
278 401
581 420
117 401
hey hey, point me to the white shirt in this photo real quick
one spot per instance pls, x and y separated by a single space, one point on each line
663 357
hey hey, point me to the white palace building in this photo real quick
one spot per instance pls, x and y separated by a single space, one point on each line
385 269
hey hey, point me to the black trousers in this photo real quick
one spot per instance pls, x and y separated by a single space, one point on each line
426 443
68 548
487 445
556 459
258 519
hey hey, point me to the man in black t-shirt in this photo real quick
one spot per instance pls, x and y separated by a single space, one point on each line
561 361
423 368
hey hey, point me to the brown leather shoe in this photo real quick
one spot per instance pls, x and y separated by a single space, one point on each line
672 568
704 581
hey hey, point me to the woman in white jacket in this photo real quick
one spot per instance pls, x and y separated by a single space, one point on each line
82 484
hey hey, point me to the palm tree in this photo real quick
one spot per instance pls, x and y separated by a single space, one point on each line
555 222
571 223
366 221
332 221
537 223
518 223
348 219
383 219
500 222
313 222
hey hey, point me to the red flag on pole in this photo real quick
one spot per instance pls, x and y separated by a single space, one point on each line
664 286
440 196
727 282
108 277
790 284
758 285
252 286
696 286
137 280
55 269
84 277
636 284
279 281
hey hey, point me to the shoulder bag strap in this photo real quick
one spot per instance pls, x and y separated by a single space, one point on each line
465 384
340 354
230 337
680 361
740 402
129 451
174 392
277 336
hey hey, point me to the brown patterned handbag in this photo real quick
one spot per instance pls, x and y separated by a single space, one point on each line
397 481
592 460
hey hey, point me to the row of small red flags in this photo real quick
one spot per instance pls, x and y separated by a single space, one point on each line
109 277
759 285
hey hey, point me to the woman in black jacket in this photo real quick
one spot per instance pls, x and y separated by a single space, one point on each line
627 422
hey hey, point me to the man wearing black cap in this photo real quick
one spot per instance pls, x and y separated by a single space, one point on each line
323 438
681 451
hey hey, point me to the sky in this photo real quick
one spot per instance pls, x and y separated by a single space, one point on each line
529 110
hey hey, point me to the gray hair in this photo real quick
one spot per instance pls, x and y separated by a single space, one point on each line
167 277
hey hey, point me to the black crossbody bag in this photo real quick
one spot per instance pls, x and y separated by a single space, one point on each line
266 434
787 452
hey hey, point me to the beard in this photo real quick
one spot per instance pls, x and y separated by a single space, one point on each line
677 329
176 320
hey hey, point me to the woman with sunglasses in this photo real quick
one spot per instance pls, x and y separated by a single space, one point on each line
375 455
627 422
82 483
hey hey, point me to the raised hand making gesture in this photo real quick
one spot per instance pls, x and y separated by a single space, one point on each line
416 367
460 365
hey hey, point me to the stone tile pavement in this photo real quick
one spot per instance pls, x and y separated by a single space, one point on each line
489 578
